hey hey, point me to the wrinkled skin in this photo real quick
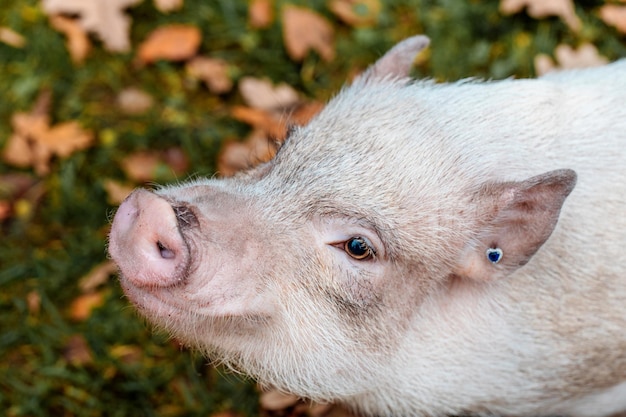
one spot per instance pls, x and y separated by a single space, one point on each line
352 267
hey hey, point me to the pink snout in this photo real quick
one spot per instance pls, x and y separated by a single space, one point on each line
146 242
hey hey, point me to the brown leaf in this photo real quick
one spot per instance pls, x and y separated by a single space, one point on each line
166 6
97 276
170 43
5 210
141 166
262 94
33 301
144 166
104 18
543 8
260 13
568 58
77 352
614 15
213 71
78 43
116 191
275 127
358 13
276 400
238 156
34 142
303 30
11 37
132 100
83 305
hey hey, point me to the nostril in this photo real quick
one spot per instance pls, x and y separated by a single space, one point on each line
164 251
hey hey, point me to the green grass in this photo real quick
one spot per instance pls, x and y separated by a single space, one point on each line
49 243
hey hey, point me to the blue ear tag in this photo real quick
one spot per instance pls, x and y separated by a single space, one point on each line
494 255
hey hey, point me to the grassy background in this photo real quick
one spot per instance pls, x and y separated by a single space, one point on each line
49 243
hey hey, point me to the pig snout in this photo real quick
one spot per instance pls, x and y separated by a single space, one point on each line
146 241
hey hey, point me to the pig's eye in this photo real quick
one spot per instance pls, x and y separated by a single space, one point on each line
358 248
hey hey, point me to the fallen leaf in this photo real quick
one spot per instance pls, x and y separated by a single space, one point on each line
614 15
83 305
76 351
569 58
144 166
106 19
132 100
5 210
303 30
116 191
543 8
97 276
262 94
141 166
166 6
276 400
34 141
260 14
238 156
356 13
127 353
213 71
33 301
78 43
170 43
11 37
272 125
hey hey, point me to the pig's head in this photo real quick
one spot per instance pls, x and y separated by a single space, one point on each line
307 271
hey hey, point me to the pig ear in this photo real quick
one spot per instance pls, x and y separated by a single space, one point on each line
518 218
397 62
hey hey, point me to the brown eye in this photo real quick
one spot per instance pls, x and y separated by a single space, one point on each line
358 248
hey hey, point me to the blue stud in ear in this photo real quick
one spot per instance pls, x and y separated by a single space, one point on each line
494 255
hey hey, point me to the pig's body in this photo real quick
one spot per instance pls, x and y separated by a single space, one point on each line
256 271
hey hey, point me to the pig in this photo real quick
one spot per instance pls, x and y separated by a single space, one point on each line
417 249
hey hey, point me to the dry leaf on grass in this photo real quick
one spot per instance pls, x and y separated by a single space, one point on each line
303 30
356 13
170 43
97 276
78 43
238 156
11 37
543 8
276 400
213 71
261 145
132 100
127 353
76 351
33 301
83 305
34 142
260 13
144 166
262 94
104 18
568 58
116 191
614 15
166 6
